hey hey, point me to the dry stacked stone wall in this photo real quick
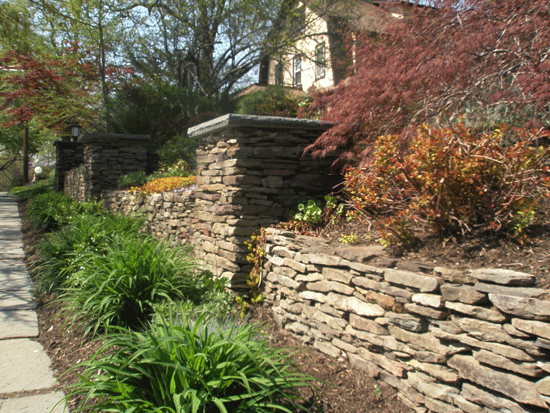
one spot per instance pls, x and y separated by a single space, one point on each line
103 159
169 215
447 340
251 172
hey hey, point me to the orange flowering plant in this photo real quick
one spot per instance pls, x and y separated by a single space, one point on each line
168 184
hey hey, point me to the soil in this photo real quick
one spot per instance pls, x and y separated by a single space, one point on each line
341 388
529 253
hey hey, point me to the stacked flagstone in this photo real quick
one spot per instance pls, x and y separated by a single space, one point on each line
104 157
448 340
251 173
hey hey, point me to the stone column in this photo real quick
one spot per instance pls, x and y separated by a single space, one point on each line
251 172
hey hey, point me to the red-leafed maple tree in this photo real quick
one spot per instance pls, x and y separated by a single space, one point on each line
57 90
487 62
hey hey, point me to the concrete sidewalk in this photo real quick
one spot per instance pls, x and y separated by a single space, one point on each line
24 365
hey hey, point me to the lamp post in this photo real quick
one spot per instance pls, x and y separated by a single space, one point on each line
75 130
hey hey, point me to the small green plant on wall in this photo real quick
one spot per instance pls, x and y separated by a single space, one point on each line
309 213
349 239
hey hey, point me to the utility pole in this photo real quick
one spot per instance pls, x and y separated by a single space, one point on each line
26 155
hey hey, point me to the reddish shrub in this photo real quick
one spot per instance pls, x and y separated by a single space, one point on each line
454 179
484 60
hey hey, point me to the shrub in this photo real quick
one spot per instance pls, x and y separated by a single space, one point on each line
271 101
133 179
51 210
165 184
483 59
455 179
180 168
182 365
62 252
121 286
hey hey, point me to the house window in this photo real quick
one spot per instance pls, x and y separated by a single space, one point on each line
320 61
297 74
279 78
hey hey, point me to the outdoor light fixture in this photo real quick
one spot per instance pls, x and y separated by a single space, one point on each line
38 170
75 131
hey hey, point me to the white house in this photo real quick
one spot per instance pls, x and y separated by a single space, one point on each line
319 56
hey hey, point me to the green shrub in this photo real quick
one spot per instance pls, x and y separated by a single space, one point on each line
51 210
271 101
454 179
62 252
182 365
133 179
121 286
179 169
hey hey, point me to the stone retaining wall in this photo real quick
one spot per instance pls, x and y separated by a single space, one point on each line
251 173
447 340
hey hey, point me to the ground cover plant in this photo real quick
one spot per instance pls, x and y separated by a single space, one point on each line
121 285
168 184
62 252
176 177
183 364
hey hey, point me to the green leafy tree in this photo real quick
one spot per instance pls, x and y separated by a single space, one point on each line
207 45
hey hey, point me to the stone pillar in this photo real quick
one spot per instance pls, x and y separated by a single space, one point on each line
251 172
107 157
68 155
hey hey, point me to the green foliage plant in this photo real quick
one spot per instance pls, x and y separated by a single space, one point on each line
63 252
182 365
51 209
132 179
45 210
456 180
179 169
272 101
309 213
122 285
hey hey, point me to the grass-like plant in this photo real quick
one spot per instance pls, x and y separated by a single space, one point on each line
44 209
52 209
180 365
121 285
62 252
